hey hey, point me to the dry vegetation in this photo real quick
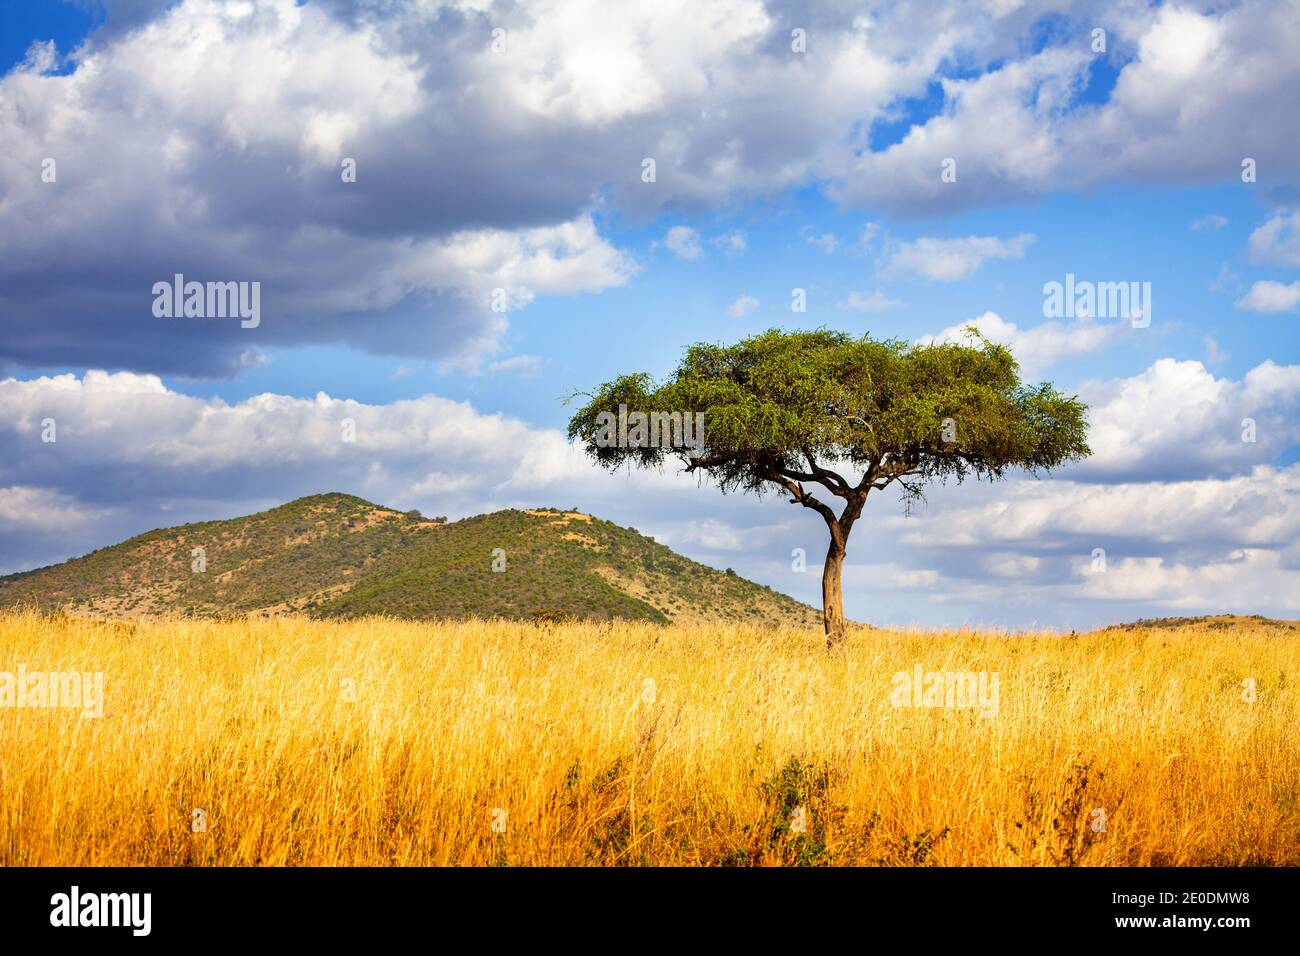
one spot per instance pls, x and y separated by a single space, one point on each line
254 722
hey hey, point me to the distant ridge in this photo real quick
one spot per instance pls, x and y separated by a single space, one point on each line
336 555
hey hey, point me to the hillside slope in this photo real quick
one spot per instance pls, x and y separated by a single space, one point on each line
337 555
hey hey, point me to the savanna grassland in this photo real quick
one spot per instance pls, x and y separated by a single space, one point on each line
378 741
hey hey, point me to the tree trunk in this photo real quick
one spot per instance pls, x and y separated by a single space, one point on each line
833 595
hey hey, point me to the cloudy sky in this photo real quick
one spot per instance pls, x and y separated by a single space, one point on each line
912 167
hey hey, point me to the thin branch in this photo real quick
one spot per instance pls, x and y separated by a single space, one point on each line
799 496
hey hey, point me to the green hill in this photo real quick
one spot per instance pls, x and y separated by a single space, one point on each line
336 555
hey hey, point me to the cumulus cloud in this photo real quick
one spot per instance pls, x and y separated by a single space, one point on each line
174 157
1038 347
208 138
1177 107
1182 108
1259 510
946 260
228 167
1149 544
684 242
1269 296
1241 580
687 243
144 440
1277 241
997 133
43 509
710 535
1176 420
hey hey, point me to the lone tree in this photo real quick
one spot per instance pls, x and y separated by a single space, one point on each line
797 410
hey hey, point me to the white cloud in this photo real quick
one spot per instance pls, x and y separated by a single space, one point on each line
946 260
1000 129
231 163
1244 579
43 509
733 243
1259 509
1038 347
684 242
1213 353
1176 421
1205 545
875 301
827 242
526 364
687 243
710 535
176 158
1224 280
1268 296
742 306
42 57
1183 108
553 260
868 235
175 445
1177 108
1277 241
1209 223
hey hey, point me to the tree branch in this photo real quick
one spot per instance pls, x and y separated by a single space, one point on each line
709 462
799 496
824 482
823 473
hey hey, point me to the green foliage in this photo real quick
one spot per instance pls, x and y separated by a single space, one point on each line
915 850
797 788
777 402
797 814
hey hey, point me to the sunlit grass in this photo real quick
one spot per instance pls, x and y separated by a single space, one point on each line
387 742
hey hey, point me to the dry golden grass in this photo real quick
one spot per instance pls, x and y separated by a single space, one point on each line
252 722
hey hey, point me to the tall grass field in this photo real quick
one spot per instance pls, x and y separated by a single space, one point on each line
289 741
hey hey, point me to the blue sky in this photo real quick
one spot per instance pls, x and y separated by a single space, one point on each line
205 137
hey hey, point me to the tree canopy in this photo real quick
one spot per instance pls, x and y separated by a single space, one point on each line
780 402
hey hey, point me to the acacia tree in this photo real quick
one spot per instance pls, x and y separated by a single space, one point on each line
825 412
